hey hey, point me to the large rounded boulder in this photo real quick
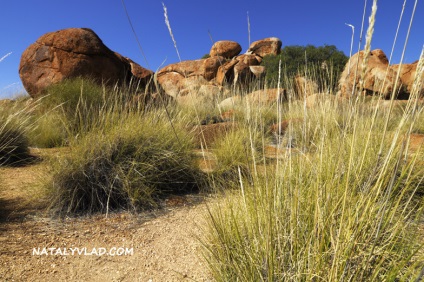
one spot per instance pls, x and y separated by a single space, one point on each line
71 53
264 47
225 48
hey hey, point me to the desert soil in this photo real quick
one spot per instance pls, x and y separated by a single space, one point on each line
162 245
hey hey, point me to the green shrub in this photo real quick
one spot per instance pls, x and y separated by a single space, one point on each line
325 62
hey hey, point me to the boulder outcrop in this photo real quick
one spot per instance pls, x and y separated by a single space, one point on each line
241 70
183 79
258 97
379 78
74 52
246 67
79 52
224 66
304 87
407 76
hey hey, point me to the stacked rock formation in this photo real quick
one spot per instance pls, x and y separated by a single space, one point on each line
205 78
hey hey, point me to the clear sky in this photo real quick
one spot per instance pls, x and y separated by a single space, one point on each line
196 24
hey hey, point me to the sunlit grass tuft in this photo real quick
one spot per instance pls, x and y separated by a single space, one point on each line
131 161
14 127
335 209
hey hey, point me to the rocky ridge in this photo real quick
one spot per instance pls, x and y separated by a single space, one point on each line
79 52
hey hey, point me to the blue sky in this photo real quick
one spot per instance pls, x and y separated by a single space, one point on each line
195 23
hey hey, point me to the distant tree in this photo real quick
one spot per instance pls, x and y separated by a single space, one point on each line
323 63
206 56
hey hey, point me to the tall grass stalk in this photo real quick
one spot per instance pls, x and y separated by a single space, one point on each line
359 46
248 28
133 31
350 169
279 108
5 56
397 32
367 48
393 95
168 24
351 45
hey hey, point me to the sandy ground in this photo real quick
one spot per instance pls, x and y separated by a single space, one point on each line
154 246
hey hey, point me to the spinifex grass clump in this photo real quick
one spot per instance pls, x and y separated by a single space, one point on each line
67 109
49 130
72 107
14 123
71 94
235 154
129 164
343 210
13 144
